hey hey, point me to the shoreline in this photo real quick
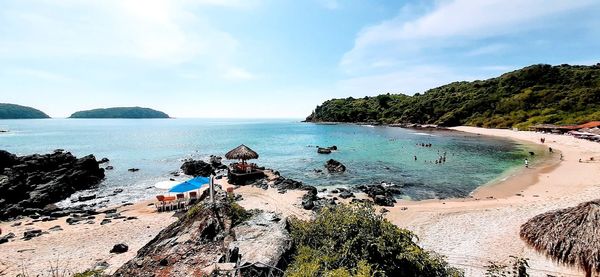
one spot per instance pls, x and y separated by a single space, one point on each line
470 232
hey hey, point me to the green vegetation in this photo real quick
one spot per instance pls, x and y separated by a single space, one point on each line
121 112
12 111
536 94
352 240
236 212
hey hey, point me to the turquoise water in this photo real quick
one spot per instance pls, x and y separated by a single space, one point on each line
371 154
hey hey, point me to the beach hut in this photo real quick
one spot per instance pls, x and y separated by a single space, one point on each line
242 153
238 173
569 236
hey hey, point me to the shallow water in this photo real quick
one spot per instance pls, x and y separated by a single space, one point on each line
371 154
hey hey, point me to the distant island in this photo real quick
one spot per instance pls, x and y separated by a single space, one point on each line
12 111
120 112
537 94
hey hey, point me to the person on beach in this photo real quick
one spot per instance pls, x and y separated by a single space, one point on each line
526 163
550 149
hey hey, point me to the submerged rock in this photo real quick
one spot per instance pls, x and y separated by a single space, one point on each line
334 166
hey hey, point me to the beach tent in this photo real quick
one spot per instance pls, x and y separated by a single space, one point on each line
165 184
569 236
192 184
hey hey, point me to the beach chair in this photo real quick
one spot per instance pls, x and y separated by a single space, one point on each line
180 201
170 202
193 197
160 206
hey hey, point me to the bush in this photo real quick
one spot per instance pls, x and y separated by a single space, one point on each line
351 240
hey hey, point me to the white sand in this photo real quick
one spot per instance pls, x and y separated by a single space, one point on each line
82 246
472 232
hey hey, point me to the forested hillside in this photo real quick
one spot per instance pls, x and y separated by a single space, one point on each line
536 94
12 111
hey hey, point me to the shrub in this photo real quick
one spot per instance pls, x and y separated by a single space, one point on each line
352 240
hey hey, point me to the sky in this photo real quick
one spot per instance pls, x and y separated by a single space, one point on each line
272 58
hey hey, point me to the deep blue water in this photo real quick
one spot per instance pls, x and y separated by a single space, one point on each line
371 154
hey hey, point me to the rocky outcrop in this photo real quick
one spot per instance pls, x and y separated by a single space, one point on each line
334 166
205 240
202 168
382 195
29 183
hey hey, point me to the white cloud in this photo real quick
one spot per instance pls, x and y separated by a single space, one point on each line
158 31
451 24
239 74
329 4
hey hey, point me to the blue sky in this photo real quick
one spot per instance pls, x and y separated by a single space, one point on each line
272 58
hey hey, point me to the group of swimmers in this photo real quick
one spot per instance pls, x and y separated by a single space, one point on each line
424 144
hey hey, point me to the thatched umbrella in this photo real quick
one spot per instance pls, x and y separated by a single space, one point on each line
569 236
241 152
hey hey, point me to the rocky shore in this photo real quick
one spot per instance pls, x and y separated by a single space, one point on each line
29 185
219 237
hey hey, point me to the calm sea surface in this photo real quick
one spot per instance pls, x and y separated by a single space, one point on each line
371 154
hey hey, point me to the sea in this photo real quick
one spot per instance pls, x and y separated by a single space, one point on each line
372 154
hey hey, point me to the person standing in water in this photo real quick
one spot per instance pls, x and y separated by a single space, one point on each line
526 163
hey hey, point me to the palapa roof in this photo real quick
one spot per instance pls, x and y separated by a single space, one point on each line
569 236
241 152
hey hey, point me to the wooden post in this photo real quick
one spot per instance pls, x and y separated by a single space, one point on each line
211 188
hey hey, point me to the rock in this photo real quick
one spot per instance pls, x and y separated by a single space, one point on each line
88 197
323 151
197 168
110 167
101 266
208 236
119 248
383 200
283 184
29 183
117 191
131 218
133 169
346 194
56 228
74 220
27 235
16 224
105 221
103 160
5 239
263 239
334 166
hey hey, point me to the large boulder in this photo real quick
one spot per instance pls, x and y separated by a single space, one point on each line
29 183
207 234
382 195
334 166
197 168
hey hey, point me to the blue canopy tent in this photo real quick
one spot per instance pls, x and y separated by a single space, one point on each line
192 184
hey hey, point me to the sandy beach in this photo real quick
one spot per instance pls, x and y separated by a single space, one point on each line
469 232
